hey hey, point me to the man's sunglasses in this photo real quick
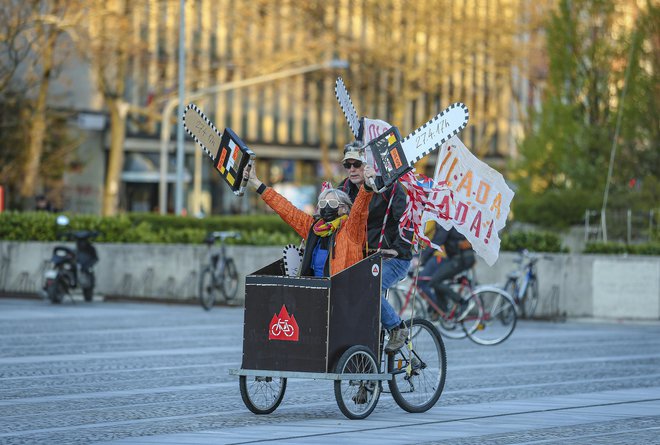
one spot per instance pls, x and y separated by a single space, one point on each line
356 164
334 203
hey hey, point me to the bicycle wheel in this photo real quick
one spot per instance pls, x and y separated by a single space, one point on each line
531 298
397 298
208 290
419 371
448 326
55 291
498 318
357 398
229 279
262 395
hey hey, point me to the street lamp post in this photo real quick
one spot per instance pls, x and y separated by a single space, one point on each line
178 198
174 102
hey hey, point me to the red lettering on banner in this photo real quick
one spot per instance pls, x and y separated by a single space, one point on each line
461 213
443 208
476 224
283 326
490 231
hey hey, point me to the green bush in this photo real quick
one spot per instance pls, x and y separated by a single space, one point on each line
534 241
148 228
652 248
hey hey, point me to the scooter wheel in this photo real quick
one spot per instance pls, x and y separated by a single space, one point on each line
55 292
88 293
88 290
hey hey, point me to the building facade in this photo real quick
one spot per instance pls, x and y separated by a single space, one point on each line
406 62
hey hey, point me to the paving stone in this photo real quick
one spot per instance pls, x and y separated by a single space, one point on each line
132 373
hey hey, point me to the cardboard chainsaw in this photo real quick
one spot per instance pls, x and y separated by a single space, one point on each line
393 155
232 155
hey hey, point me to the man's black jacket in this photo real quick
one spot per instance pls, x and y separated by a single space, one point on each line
377 209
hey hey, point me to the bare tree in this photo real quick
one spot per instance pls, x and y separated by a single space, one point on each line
30 33
50 22
15 45
109 50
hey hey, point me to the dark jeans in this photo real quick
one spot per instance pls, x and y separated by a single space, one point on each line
447 269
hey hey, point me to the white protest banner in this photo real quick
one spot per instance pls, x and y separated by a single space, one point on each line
477 201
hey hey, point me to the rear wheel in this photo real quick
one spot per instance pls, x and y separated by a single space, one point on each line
357 398
262 395
447 324
531 298
498 316
208 290
419 370
55 291
88 289
229 280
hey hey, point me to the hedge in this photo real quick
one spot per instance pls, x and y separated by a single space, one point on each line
652 248
261 230
533 241
148 228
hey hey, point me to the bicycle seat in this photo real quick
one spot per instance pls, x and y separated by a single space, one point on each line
514 274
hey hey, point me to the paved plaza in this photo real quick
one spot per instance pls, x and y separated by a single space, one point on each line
131 373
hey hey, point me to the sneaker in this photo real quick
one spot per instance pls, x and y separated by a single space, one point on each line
398 337
360 397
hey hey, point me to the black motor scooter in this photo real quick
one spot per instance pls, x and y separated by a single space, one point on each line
72 268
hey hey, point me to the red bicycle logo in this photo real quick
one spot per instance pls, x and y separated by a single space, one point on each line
283 326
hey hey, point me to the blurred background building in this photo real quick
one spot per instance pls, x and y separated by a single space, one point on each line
406 62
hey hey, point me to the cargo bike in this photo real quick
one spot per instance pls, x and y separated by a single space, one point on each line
329 328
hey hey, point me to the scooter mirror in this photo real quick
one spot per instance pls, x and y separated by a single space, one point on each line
62 220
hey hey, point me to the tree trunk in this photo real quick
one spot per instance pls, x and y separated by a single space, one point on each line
118 111
38 122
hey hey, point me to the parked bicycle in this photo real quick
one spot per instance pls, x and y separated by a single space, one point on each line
523 284
489 318
219 275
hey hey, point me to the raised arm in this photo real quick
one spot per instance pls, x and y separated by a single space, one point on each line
290 214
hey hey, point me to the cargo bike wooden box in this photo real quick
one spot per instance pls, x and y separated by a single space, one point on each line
329 328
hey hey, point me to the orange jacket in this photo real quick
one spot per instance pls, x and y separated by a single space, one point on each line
351 237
